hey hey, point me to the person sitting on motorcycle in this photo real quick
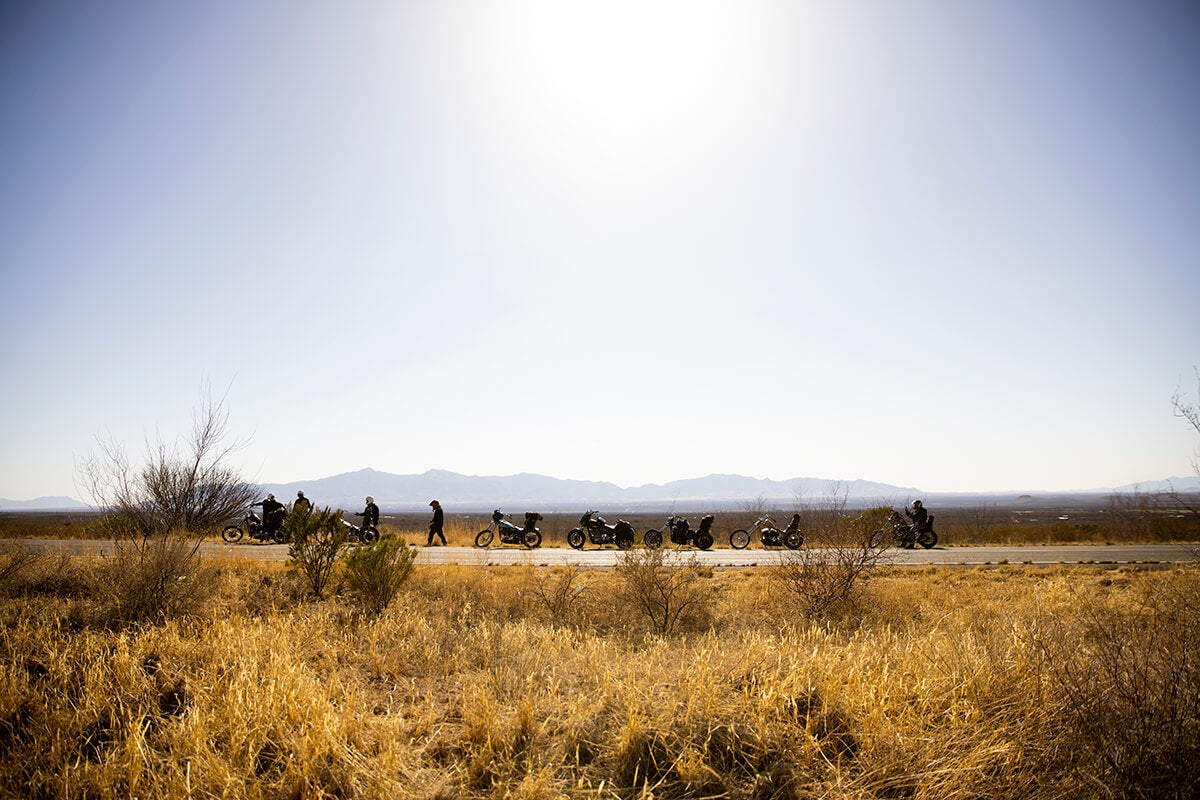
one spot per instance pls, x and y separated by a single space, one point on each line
918 515
370 514
272 514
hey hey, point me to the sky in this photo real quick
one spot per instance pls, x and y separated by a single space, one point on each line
943 244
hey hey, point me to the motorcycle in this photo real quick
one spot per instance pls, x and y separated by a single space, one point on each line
681 533
361 534
600 532
905 534
770 536
252 525
529 535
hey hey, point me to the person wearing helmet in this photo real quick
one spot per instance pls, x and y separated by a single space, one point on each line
918 515
273 513
302 503
370 514
435 524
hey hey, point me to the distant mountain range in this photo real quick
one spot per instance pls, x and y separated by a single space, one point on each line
59 503
528 491
473 492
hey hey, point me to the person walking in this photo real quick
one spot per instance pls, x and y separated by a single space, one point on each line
435 524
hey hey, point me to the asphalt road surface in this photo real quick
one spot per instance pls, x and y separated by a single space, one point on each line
1103 555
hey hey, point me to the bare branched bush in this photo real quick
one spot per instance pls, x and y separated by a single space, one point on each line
1130 683
827 577
158 511
666 588
316 540
182 489
557 592
375 572
157 579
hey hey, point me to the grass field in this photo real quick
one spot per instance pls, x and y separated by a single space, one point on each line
527 683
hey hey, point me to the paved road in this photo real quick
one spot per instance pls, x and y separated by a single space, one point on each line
721 557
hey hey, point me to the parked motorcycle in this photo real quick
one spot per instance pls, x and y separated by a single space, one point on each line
769 534
361 534
681 533
528 536
252 526
905 534
593 527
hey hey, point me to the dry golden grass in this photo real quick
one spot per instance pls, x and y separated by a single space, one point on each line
516 682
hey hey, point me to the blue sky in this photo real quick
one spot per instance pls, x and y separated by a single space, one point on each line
950 245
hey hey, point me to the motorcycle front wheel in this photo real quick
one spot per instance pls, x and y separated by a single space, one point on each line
652 539
793 540
533 539
927 539
484 537
575 539
370 535
232 534
877 538
739 539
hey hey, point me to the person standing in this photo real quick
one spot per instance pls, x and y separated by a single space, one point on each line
302 504
273 514
435 524
370 514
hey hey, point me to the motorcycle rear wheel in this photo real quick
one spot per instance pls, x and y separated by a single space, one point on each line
484 537
793 540
704 541
625 540
739 539
533 539
575 539
232 534
927 539
652 539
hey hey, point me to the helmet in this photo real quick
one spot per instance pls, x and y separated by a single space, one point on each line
270 497
434 503
370 499
916 503
300 494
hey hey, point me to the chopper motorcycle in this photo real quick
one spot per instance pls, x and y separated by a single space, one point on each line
529 535
252 526
593 528
681 533
905 534
770 535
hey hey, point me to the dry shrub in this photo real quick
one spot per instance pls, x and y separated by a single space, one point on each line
156 579
666 589
557 592
826 579
1128 671
25 571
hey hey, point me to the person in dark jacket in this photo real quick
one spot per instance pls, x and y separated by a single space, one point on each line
302 503
435 524
370 514
918 515
272 514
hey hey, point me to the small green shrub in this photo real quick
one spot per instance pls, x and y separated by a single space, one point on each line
375 572
317 538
